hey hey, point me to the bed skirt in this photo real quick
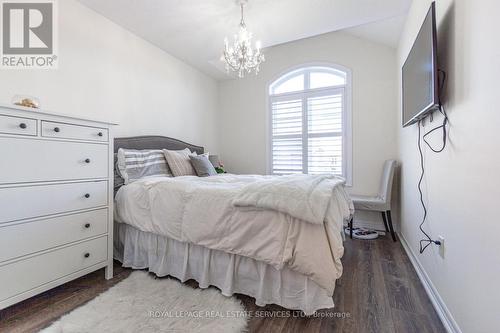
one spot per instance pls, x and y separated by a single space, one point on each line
229 272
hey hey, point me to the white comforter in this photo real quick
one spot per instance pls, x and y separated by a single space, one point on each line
302 196
201 211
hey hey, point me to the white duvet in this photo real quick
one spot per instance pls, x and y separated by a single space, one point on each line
247 215
302 196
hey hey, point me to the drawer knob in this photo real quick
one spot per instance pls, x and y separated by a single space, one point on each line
57 129
87 195
22 125
86 255
100 134
87 160
87 225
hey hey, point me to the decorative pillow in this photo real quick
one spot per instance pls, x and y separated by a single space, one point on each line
136 164
202 166
179 163
118 179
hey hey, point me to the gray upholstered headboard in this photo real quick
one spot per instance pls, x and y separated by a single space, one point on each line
150 142
154 142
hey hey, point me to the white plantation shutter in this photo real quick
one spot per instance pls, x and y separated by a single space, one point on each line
308 134
325 134
287 136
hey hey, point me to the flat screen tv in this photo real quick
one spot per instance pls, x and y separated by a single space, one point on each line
420 73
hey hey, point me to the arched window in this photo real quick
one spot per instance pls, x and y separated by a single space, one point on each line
311 122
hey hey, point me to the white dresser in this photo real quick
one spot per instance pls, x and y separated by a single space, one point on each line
56 197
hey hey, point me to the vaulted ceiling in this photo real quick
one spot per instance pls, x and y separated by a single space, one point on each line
194 30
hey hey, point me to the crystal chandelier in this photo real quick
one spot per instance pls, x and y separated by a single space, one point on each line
241 57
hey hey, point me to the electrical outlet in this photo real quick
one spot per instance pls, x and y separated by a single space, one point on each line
441 247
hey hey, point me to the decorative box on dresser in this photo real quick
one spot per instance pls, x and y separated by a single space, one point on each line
56 200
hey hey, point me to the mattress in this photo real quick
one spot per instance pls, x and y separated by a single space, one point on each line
230 273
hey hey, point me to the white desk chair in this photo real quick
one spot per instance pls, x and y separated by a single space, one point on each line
381 202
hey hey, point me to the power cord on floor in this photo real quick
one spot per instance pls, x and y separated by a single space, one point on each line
424 243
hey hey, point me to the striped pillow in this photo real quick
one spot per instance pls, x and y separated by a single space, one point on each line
136 164
179 162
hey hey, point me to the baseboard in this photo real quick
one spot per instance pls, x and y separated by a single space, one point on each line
444 314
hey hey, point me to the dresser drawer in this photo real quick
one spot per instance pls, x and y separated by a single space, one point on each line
26 238
66 131
32 160
18 125
32 201
24 275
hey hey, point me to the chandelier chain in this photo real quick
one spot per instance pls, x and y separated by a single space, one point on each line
242 22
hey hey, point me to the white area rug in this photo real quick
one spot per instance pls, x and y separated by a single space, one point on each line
141 303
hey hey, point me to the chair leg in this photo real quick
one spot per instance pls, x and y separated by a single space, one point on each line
351 226
385 222
391 227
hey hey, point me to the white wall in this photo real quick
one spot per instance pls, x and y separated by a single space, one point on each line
108 73
462 184
244 111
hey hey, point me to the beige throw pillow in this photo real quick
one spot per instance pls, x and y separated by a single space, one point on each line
179 162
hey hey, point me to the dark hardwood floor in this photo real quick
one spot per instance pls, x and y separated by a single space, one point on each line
379 292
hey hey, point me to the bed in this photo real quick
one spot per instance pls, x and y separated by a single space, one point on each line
220 231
